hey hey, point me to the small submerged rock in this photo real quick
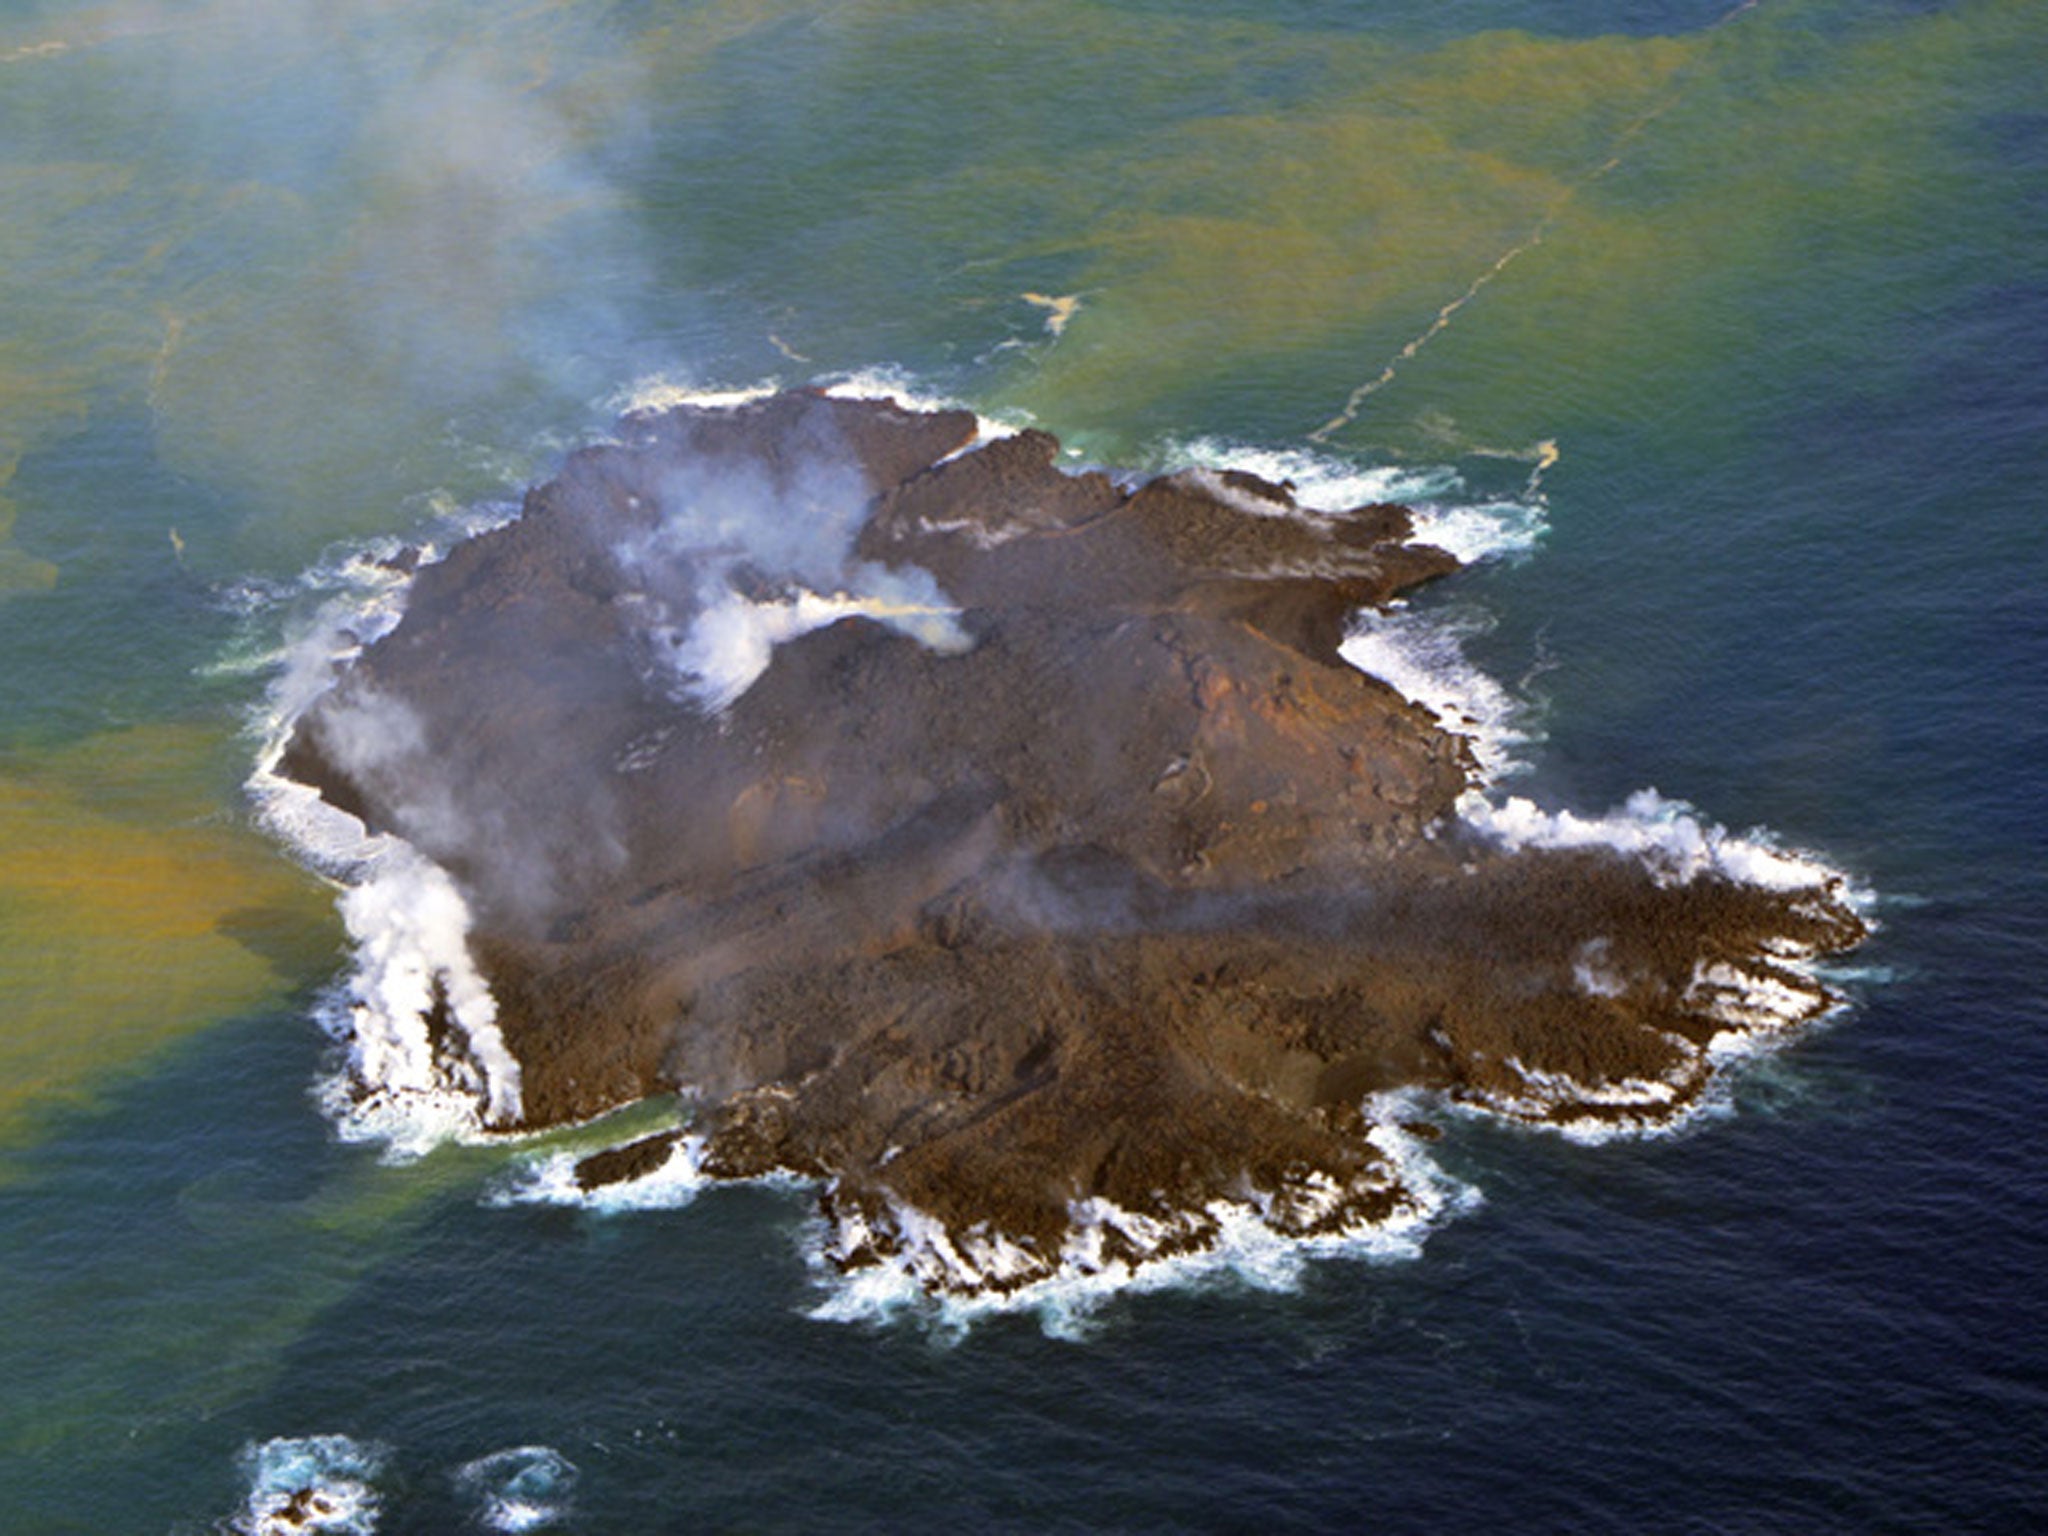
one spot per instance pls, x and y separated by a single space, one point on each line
1009 850
300 1486
623 1164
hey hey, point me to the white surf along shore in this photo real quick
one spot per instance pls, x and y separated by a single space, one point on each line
408 925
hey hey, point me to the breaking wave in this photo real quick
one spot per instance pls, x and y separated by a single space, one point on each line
332 1485
318 1483
1667 836
527 1488
1421 656
549 1178
404 1080
1418 651
1109 1251
666 391
1446 512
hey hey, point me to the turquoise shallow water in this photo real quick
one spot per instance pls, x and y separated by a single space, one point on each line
277 279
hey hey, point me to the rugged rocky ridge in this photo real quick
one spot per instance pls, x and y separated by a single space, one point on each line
1123 898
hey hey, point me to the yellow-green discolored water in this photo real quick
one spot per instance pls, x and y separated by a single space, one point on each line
134 910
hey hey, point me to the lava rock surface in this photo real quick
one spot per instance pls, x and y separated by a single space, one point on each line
1129 899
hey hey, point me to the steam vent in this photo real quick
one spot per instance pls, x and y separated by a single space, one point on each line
1009 851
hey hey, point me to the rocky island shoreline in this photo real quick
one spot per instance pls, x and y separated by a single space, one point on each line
1008 850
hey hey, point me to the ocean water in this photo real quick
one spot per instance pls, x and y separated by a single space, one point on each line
1743 307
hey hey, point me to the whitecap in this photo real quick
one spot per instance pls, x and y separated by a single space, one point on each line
1421 656
314 1483
525 1488
906 391
549 1178
1325 484
1669 837
657 392
666 392
1109 1251
397 1085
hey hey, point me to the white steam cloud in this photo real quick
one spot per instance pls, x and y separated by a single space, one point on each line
425 1056
747 555
1668 836
411 930
369 221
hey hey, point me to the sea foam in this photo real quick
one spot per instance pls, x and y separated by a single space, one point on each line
403 1081
549 1178
526 1488
1109 1251
666 391
1444 510
1668 836
1421 656
314 1483
329 1485
1417 651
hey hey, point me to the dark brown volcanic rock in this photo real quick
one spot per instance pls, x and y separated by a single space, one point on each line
634 1160
1135 899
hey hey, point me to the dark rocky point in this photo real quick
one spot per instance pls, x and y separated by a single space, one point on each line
634 1160
1138 898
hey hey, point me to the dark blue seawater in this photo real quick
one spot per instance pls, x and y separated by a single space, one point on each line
278 282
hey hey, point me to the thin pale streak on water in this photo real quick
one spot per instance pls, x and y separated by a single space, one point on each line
1623 142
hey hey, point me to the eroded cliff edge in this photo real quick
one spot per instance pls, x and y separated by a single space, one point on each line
1054 886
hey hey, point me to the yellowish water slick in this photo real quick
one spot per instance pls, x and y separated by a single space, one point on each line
1517 232
133 912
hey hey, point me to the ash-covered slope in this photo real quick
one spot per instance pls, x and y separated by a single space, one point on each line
1010 850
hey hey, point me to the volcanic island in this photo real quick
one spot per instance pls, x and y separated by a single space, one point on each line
1045 887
